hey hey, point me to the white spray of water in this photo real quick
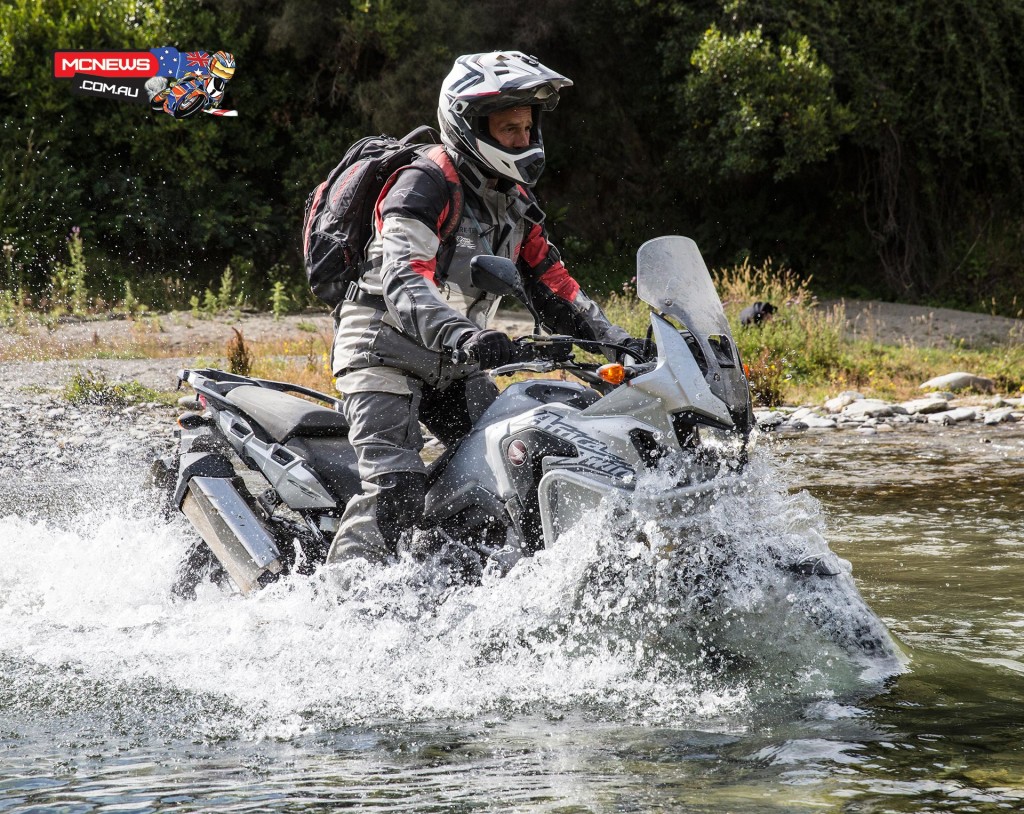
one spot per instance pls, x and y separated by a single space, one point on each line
643 613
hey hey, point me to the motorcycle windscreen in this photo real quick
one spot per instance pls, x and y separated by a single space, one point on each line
672 278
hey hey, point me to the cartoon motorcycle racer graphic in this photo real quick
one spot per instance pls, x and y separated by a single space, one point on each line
189 82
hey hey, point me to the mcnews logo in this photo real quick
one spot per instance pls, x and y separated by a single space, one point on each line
119 75
135 64
177 82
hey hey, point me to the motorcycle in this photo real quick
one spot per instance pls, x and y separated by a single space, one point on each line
263 469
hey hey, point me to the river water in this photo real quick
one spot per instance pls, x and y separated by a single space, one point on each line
673 667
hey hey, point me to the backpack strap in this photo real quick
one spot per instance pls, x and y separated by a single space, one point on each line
439 155
419 132
456 206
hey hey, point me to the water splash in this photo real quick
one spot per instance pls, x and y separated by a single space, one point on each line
640 615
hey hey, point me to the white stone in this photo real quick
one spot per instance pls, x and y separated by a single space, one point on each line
867 408
883 427
925 406
817 422
769 419
866 430
836 404
960 381
999 415
954 416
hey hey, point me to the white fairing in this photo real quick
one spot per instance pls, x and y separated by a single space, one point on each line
673 279
675 385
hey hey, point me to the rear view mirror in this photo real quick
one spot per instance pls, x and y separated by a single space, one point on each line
497 275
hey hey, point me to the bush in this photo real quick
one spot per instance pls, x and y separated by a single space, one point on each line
803 340
87 387
800 343
239 359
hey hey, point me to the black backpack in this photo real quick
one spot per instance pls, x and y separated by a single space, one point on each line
338 222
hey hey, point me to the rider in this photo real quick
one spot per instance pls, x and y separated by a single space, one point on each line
397 330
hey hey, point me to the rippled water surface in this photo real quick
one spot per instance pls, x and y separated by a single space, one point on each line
657 661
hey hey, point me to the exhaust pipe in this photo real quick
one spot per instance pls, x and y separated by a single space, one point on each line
231 530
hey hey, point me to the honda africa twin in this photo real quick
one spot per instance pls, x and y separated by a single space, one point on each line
263 473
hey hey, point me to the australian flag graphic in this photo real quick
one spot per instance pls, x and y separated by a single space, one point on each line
174 64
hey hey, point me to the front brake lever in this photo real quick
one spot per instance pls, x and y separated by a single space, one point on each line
535 366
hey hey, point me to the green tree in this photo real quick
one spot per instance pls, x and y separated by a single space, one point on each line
756 107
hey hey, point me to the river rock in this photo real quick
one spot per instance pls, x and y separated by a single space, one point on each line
836 405
999 415
932 404
954 416
867 408
1006 401
769 420
960 381
817 422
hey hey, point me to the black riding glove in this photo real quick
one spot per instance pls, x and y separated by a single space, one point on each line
636 350
489 348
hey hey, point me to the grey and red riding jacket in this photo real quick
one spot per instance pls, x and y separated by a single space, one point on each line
414 304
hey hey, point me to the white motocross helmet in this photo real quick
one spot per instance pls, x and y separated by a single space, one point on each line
482 84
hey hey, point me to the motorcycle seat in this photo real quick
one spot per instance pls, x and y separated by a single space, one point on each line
284 416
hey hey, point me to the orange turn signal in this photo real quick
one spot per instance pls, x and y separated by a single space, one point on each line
746 370
613 373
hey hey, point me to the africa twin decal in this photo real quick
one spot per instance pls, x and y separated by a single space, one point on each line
593 455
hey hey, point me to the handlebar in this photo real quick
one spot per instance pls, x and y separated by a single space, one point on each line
556 349
529 349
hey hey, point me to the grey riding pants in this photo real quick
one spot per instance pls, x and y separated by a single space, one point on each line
384 408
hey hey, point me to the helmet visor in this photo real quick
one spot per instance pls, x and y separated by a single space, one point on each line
543 96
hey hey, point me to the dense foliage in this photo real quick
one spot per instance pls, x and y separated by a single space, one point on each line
875 146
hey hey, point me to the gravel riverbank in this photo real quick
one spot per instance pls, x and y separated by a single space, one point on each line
42 431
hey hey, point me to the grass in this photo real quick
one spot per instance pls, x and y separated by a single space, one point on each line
801 356
92 388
